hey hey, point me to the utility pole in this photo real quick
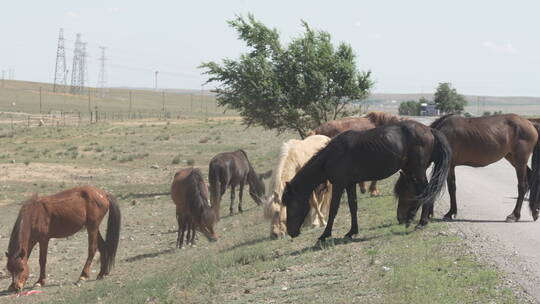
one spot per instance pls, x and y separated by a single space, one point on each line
101 84
163 100
60 69
130 102
39 100
155 82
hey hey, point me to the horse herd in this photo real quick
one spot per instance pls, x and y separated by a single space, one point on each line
307 184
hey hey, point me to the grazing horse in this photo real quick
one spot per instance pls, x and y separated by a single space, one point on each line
231 169
190 195
294 154
480 141
369 121
59 216
375 154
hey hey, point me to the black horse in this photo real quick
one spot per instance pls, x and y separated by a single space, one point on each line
234 169
375 154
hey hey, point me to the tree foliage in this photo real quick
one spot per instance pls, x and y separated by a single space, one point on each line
448 100
294 87
410 107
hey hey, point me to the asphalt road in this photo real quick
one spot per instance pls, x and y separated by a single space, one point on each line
485 196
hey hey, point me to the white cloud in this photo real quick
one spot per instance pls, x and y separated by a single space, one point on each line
72 14
375 36
504 48
113 10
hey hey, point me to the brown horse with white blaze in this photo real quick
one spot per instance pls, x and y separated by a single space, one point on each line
193 212
59 216
480 141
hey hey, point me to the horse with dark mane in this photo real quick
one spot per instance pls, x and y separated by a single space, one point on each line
375 154
59 216
190 195
232 169
480 141
369 121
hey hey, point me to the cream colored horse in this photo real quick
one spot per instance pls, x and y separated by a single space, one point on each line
294 154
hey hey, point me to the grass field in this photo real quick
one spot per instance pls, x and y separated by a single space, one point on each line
136 161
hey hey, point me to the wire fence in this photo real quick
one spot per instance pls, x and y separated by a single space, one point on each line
37 104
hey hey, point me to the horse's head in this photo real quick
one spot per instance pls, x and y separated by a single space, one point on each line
17 265
276 213
409 191
297 209
257 189
208 223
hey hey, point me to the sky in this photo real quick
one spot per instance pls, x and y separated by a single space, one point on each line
481 47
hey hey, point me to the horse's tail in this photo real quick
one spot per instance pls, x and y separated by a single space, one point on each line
113 232
214 181
534 196
442 159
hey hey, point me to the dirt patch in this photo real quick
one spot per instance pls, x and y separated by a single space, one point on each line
34 172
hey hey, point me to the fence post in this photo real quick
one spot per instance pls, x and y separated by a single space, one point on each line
29 120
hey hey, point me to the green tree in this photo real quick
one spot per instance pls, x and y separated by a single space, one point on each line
410 107
448 100
294 87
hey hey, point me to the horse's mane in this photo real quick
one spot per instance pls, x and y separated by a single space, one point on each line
437 123
197 197
14 239
277 184
382 118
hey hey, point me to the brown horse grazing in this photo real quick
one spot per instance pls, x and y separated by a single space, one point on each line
369 121
59 216
190 195
478 142
231 169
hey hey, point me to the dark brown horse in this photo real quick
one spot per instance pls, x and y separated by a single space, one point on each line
190 195
369 121
232 169
375 154
478 142
59 216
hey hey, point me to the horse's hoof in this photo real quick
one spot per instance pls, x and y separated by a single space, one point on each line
375 193
38 284
420 226
512 218
535 215
447 218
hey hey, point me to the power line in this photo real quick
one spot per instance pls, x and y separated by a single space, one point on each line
78 69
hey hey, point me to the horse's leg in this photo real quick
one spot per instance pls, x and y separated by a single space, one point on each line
521 172
316 201
92 248
451 181
184 225
43 245
193 234
362 187
373 189
240 194
188 235
353 208
337 192
180 236
232 200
